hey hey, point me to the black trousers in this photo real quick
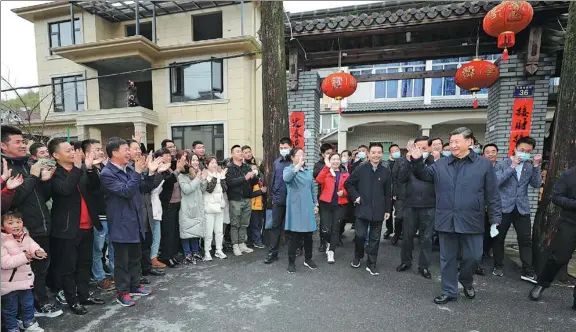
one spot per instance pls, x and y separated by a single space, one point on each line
523 226
170 232
127 266
398 216
296 239
41 268
146 262
278 222
423 220
75 265
488 240
373 240
330 219
562 247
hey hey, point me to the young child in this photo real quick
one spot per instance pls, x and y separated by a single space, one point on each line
257 212
18 249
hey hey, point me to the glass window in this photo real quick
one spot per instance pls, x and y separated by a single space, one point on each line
145 30
335 121
200 81
211 135
205 27
68 94
61 33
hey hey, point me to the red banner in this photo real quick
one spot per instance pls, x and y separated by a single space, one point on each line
297 129
521 121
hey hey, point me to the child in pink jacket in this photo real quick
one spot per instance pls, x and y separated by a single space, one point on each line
17 279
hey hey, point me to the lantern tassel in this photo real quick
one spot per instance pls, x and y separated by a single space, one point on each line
505 55
475 101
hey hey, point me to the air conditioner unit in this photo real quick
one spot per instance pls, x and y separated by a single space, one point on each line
326 106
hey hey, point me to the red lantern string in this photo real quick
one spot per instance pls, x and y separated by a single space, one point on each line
505 55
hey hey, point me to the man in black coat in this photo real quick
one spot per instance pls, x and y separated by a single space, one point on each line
564 240
396 163
465 185
370 188
74 212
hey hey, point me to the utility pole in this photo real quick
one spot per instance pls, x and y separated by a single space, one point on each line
275 103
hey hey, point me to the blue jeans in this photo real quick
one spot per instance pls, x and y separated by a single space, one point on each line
191 246
256 226
101 237
10 304
156 234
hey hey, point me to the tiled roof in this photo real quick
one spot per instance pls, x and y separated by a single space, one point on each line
394 12
413 105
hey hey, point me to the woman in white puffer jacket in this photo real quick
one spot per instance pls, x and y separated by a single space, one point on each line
214 189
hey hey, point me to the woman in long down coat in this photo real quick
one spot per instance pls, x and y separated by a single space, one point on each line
301 209
192 217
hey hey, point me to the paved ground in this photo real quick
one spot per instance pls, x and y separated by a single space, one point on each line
245 294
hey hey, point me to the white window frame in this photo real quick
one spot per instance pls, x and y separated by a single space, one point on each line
224 123
85 88
332 118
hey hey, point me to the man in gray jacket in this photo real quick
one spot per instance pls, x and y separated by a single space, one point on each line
514 175
465 185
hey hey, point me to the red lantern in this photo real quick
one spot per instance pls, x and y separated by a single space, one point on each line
476 75
506 20
339 85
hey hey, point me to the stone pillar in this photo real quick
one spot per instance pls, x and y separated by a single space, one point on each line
96 133
425 130
501 101
343 134
141 127
307 99
81 132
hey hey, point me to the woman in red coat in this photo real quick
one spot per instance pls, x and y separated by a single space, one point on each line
333 200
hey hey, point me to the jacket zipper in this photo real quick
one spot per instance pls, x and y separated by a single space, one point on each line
39 204
12 275
67 221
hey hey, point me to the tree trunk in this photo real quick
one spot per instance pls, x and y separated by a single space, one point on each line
563 155
275 103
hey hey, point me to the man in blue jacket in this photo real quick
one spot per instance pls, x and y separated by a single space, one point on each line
278 200
121 187
465 185
514 175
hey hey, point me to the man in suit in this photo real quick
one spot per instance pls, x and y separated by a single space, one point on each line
465 184
514 175
395 164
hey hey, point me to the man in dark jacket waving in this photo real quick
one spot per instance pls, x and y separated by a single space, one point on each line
465 185
370 188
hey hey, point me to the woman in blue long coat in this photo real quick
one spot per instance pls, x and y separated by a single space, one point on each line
301 209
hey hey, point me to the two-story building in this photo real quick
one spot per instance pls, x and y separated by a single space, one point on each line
195 65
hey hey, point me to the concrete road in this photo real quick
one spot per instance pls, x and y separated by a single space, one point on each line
245 294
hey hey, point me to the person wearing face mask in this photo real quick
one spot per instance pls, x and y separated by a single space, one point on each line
346 157
446 150
419 212
360 157
278 199
396 163
476 147
515 174
326 150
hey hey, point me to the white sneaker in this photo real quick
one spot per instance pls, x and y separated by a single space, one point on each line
244 248
330 255
236 250
207 257
34 328
220 254
327 247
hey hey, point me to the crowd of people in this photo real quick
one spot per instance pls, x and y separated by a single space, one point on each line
118 214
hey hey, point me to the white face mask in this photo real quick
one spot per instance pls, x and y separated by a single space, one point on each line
344 160
425 154
284 152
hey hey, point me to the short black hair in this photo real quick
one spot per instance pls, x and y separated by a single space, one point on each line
54 143
445 145
165 142
526 140
8 131
431 140
87 142
77 145
467 133
34 148
11 214
293 151
131 140
391 146
363 146
347 152
490 145
161 152
245 147
286 140
325 147
422 138
376 144
196 143
234 147
114 144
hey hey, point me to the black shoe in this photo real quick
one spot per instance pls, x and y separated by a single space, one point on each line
144 281
470 292
309 263
425 273
179 258
322 247
387 235
443 299
168 262
271 258
78 309
403 267
291 267
480 271
394 240
92 301
355 263
536 293
156 272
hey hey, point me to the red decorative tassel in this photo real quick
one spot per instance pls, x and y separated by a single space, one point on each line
505 55
475 102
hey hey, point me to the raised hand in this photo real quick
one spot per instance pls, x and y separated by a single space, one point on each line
249 176
180 164
89 161
327 161
137 137
40 254
6 172
36 169
139 164
15 182
515 162
47 173
154 165
163 167
264 189
205 174
416 153
78 159
537 160
436 154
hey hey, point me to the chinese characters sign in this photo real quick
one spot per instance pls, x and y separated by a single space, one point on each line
297 129
521 120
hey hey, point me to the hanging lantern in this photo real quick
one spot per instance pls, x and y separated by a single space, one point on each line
506 20
339 86
476 75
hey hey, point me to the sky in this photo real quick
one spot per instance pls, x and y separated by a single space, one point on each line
18 53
